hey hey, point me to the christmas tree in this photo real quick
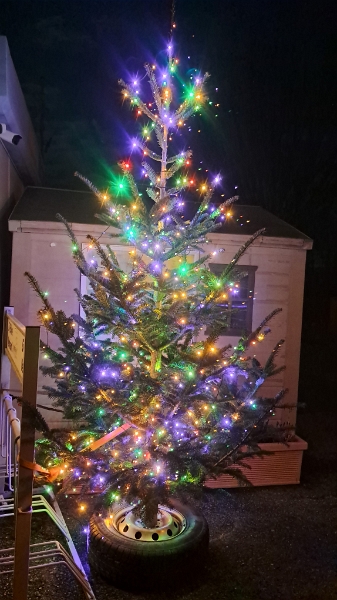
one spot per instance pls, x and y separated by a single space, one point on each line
158 404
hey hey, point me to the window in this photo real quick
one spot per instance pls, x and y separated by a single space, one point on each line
242 302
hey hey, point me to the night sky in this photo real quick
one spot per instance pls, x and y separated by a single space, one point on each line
274 63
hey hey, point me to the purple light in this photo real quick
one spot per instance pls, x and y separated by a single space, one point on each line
86 530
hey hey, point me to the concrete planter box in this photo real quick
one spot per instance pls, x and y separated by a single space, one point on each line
283 467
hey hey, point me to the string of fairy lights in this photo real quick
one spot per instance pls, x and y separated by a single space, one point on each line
150 358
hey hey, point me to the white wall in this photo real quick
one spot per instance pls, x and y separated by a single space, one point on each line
11 189
45 251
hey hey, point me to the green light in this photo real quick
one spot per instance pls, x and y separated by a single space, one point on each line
121 186
183 269
101 411
190 374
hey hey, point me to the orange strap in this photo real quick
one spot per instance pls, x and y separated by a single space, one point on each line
109 436
54 472
51 473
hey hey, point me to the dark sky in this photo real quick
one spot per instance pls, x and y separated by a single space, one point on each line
274 63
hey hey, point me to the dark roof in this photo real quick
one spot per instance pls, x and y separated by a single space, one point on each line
42 204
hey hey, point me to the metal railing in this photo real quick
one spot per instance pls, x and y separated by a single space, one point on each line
9 443
51 552
16 482
47 554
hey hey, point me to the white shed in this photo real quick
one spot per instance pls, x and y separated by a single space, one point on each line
274 267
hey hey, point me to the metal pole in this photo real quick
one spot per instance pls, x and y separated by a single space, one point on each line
25 478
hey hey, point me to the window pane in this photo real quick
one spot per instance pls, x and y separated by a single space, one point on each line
242 289
239 315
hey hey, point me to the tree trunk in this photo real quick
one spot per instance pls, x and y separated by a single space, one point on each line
155 363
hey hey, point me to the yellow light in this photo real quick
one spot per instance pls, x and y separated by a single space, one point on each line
82 507
228 214
213 349
134 206
46 316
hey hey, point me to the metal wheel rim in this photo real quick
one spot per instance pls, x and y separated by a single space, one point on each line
170 524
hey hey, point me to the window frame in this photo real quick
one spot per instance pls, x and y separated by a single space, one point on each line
217 269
